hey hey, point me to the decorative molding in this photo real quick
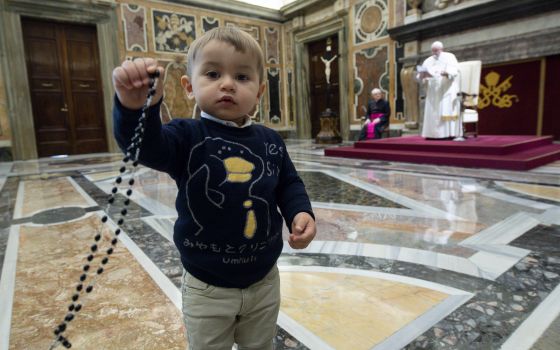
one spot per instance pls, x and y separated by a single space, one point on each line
298 8
370 21
472 17
235 8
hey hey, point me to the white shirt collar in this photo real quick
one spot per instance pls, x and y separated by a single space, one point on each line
247 122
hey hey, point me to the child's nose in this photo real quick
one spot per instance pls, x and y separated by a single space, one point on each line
228 83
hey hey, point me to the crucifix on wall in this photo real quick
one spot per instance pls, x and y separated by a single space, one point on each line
329 132
327 60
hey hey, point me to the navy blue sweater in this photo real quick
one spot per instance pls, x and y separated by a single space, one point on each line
231 183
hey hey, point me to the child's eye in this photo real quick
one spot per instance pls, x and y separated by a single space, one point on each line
212 75
242 77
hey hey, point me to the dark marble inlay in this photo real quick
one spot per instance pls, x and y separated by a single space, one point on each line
324 188
52 216
8 197
4 234
495 312
284 341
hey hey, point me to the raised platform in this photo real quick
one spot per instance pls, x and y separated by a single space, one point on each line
485 151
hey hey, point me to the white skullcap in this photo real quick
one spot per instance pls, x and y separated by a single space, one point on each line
437 44
375 91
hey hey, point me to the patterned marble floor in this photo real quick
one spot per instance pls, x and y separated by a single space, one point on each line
407 256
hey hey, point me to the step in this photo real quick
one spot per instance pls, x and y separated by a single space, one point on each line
484 144
523 160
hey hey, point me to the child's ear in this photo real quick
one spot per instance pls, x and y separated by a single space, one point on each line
261 91
187 85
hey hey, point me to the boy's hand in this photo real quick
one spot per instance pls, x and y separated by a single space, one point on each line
131 81
303 231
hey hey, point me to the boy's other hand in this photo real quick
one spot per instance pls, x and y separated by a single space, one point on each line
303 231
131 81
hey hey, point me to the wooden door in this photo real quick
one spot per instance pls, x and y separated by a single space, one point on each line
322 96
67 101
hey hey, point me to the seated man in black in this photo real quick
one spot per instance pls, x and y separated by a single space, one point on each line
377 116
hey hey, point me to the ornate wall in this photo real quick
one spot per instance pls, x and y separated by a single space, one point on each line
164 31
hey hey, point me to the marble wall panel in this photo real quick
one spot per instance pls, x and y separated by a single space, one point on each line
252 29
135 27
370 20
274 86
4 121
209 23
176 104
172 31
371 69
272 45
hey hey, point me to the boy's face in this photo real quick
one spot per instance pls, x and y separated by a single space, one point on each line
224 82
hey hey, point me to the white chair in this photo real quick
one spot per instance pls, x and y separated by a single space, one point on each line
470 86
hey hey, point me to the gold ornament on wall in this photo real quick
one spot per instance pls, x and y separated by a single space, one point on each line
494 92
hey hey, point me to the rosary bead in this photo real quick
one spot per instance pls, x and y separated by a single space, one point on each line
118 180
128 192
135 163
71 307
126 159
69 317
117 232
99 272
155 73
109 251
131 182
104 218
105 260
79 288
114 190
86 267
94 248
75 297
114 241
97 237
111 199
62 327
90 257
83 277
124 212
66 344
126 202
89 288
120 222
122 169
78 307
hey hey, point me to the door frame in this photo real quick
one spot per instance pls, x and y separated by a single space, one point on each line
102 13
335 25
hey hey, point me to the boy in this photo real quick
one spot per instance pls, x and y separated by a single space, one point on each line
232 176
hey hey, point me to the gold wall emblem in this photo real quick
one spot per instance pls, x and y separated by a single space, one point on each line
494 93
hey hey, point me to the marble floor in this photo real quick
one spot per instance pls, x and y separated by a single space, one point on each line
406 256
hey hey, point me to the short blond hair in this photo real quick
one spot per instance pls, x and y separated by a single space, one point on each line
240 40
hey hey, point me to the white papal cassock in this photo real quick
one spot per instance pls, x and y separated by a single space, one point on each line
442 107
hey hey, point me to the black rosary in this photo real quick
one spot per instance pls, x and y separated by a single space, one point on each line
131 154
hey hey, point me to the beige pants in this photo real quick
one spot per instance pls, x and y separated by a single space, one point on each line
216 317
